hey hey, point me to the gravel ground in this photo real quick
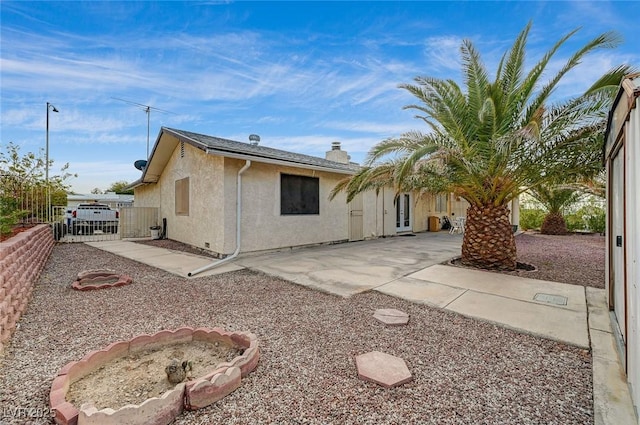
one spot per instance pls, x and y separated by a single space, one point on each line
177 246
575 259
465 371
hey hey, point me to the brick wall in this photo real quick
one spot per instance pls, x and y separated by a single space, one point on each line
22 258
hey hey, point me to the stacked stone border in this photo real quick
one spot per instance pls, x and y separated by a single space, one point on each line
191 395
100 279
22 259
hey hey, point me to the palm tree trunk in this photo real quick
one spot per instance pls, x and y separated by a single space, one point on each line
488 238
554 224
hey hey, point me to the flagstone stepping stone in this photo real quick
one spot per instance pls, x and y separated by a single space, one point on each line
100 279
391 316
382 369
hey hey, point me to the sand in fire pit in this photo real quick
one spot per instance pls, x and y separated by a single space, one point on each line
134 378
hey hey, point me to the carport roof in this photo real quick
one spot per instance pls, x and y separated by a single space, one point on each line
165 146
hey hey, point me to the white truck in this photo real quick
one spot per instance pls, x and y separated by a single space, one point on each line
87 218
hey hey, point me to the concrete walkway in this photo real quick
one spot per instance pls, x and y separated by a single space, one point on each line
409 268
350 268
178 263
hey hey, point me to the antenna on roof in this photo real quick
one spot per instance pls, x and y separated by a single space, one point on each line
254 139
147 109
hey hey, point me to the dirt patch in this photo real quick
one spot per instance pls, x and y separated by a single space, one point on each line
520 267
16 230
98 282
134 378
177 246
577 259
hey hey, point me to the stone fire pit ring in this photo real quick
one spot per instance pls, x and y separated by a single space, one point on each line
191 395
100 279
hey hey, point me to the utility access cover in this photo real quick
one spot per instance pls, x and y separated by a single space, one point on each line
551 299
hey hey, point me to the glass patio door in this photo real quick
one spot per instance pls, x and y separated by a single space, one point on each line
403 213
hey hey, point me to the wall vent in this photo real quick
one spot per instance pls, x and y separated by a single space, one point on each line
181 149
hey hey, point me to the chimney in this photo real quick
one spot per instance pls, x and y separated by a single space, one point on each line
336 154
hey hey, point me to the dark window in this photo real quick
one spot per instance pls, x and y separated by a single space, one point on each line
299 195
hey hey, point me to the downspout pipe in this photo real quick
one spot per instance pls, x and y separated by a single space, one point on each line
238 226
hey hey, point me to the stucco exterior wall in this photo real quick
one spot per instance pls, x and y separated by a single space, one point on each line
203 226
459 206
263 227
148 196
425 207
211 222
421 212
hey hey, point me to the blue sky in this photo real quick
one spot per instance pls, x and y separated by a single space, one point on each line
299 74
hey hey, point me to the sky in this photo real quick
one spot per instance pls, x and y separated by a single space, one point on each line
301 75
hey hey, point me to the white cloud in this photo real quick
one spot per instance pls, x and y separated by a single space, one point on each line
443 52
382 129
101 174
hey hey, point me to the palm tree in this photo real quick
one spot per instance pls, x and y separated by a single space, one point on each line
492 141
595 185
555 199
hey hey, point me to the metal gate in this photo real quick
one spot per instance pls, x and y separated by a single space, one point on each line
133 222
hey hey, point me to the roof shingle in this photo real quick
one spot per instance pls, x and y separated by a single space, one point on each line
231 146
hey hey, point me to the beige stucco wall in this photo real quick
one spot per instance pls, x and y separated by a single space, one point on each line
421 212
147 195
425 206
263 227
203 225
459 206
211 223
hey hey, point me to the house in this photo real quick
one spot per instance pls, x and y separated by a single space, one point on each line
224 195
622 160
110 198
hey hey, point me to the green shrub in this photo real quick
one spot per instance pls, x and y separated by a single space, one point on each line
574 222
531 218
597 222
589 217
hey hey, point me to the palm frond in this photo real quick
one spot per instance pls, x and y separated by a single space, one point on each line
487 141
606 40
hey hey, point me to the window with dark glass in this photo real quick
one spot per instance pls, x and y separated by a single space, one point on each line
299 195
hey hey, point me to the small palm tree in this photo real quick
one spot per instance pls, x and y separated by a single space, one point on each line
555 200
493 140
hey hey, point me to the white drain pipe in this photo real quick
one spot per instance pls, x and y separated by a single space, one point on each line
238 226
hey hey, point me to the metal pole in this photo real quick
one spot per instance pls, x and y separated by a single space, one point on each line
48 189
46 165
148 121
47 149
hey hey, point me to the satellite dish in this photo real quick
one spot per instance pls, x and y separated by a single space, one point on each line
140 164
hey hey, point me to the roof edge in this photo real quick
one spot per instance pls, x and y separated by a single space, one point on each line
273 161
